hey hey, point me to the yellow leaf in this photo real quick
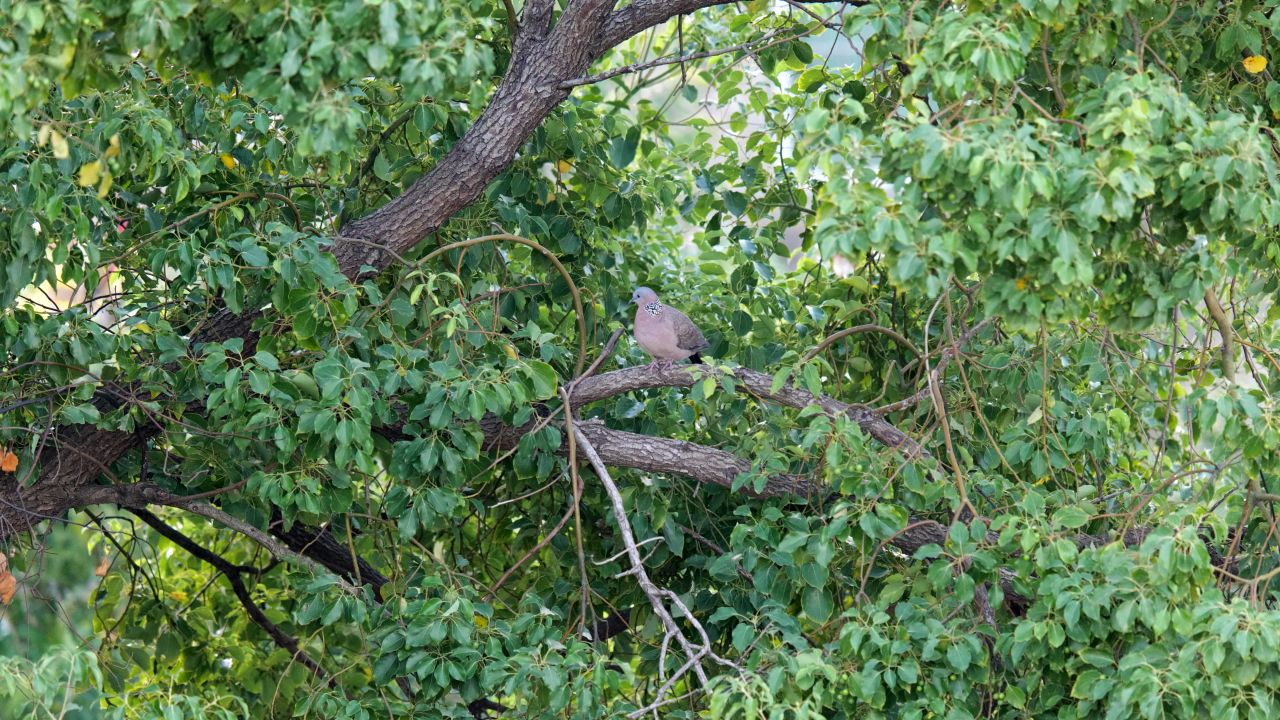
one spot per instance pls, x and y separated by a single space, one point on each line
8 463
228 161
67 55
105 185
511 352
90 172
42 137
113 149
8 585
1254 64
60 149
564 166
178 595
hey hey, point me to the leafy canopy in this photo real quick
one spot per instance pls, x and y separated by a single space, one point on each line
1094 179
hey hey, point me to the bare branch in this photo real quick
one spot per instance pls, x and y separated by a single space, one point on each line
870 327
694 654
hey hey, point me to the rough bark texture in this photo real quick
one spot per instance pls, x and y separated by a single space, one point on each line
527 94
619 448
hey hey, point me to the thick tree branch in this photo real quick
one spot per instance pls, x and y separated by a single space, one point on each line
320 545
754 382
526 95
619 448
535 21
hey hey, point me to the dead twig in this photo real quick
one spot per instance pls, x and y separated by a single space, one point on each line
694 654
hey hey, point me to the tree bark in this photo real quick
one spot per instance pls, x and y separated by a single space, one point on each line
622 449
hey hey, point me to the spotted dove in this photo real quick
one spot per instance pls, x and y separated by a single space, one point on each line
664 332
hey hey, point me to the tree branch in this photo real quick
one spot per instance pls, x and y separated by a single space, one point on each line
144 493
935 373
641 15
756 383
620 448
666 60
694 654
1224 329
233 573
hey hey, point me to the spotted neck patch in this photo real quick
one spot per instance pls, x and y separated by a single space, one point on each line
654 308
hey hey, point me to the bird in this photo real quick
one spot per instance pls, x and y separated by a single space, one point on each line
664 332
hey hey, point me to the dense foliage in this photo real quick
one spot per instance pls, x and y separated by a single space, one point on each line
1049 228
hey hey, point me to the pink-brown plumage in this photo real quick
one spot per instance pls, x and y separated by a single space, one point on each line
664 332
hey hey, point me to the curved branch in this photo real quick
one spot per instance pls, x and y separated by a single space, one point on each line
1224 329
870 327
146 493
935 373
568 279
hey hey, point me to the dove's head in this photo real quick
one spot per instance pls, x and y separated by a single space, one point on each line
643 296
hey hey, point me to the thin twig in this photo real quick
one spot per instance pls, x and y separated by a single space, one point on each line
665 60
1224 329
655 595
870 327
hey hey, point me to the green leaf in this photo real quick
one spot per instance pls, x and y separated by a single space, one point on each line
622 150
544 379
377 56
735 202
817 604
1070 517
626 408
958 656
802 51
